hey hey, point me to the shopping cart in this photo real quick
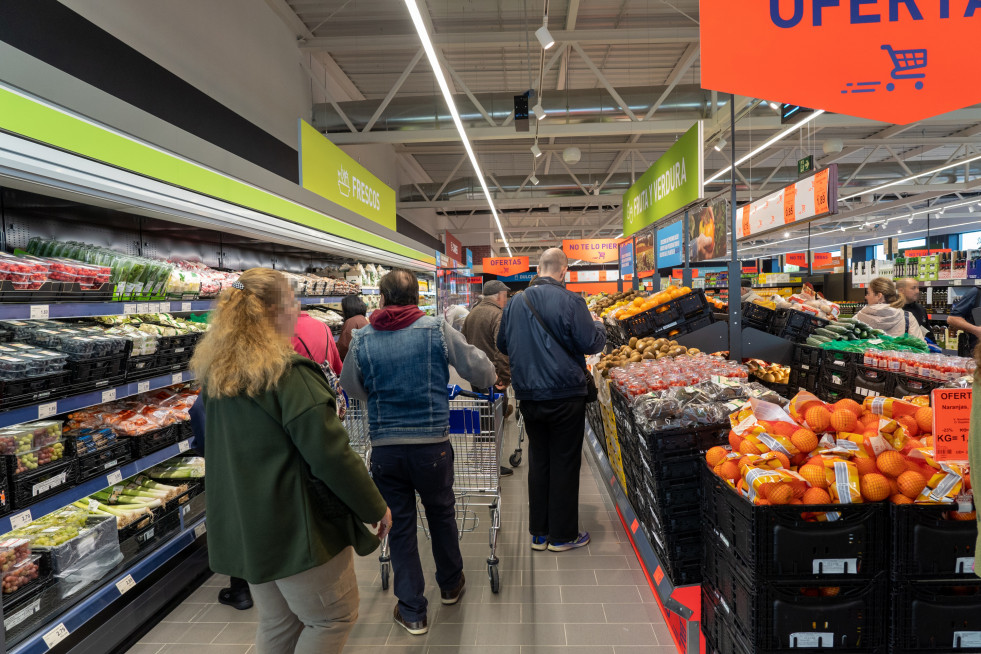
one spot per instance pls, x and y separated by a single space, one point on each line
476 433
515 459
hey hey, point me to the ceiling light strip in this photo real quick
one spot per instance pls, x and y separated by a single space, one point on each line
910 178
427 45
782 135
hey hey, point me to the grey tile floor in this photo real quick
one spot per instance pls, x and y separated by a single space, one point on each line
594 600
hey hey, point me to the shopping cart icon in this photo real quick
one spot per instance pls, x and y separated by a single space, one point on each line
904 62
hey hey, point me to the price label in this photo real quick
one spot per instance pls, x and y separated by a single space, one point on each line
108 396
56 635
20 520
200 530
143 307
125 584
185 306
177 378
143 387
183 446
129 309
47 410
93 505
114 478
39 312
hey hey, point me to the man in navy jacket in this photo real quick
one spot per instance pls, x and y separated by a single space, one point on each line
549 378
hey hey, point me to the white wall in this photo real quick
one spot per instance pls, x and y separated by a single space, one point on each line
236 51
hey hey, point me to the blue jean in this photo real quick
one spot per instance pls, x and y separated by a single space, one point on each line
401 471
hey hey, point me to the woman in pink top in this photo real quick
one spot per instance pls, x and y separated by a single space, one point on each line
354 311
316 338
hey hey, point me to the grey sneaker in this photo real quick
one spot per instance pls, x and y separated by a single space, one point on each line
581 541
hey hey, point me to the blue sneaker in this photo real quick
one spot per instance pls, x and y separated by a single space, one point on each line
581 541
539 543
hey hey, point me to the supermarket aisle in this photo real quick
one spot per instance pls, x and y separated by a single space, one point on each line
595 600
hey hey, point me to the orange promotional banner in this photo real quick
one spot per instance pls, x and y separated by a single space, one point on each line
595 250
825 260
505 265
796 259
951 421
895 61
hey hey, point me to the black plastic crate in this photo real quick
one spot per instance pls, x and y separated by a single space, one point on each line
835 377
27 592
796 325
85 370
614 335
758 316
906 385
102 461
841 359
33 487
807 355
937 617
803 380
33 390
153 441
5 498
184 431
132 542
873 382
776 542
661 319
832 394
179 341
698 322
141 367
926 545
595 419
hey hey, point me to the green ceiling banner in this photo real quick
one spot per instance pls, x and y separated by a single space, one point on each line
672 183
330 172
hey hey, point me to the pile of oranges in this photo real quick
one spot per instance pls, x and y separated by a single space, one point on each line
641 304
842 453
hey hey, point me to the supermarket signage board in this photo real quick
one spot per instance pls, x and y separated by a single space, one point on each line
669 244
505 265
454 248
824 260
520 277
895 61
708 230
469 258
951 421
331 173
595 250
672 183
812 197
627 258
798 259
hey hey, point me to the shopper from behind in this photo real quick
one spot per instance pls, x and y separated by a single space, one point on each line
747 294
884 310
312 339
399 365
289 497
974 450
909 289
962 319
546 331
480 329
353 310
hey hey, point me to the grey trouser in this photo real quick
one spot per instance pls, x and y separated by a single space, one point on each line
309 613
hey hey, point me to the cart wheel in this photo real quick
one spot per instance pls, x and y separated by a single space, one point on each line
515 459
495 578
384 574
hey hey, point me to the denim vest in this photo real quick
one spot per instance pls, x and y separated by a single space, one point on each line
405 373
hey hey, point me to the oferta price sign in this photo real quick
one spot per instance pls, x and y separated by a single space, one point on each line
329 172
897 61
672 183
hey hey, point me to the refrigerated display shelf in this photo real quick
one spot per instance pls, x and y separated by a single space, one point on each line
60 627
20 518
937 283
43 410
41 311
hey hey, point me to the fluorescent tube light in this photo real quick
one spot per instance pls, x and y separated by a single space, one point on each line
790 130
427 45
910 178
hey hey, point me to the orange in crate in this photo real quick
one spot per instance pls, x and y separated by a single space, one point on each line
875 487
816 496
844 420
814 475
911 484
865 465
850 405
780 494
716 454
891 463
924 419
818 418
804 440
899 498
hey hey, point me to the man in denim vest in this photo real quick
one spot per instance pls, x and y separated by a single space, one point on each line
399 366
546 331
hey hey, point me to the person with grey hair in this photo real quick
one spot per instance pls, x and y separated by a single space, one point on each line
546 331
455 315
480 329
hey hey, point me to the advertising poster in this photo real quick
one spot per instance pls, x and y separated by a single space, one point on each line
644 252
669 244
596 250
626 258
707 230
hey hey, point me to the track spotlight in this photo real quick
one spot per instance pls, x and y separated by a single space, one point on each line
535 150
533 180
774 105
721 143
539 111
544 36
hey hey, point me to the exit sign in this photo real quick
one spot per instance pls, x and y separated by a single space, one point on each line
805 165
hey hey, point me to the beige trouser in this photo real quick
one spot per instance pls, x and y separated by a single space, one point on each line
309 613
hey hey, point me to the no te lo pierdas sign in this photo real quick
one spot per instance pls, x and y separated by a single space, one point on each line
896 61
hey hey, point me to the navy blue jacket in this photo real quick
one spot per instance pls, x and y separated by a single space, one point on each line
197 424
541 369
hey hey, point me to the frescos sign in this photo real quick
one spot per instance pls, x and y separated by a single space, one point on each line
897 61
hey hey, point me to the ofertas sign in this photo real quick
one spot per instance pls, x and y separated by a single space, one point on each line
951 421
896 61
669 252
812 197
329 172
596 250
673 182
505 265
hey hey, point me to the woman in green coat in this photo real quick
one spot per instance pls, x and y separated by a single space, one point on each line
288 498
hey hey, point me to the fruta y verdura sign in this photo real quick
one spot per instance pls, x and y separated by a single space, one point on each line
329 172
673 182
